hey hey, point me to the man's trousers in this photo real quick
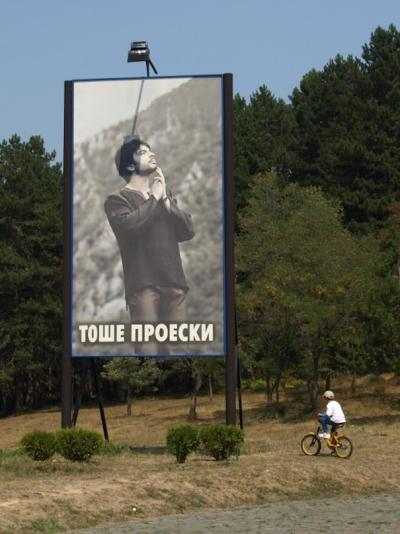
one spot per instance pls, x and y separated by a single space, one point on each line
158 305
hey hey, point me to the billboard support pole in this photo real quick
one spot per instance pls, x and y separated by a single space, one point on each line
66 365
96 389
68 417
239 381
79 394
99 402
231 353
66 393
239 387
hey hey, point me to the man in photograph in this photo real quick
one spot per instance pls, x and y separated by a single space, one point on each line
148 226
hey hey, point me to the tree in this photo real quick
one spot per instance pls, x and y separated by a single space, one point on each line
348 131
262 134
136 376
268 337
302 274
30 273
201 369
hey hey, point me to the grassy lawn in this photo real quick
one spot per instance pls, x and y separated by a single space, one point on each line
144 481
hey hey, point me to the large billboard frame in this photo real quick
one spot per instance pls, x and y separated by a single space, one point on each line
228 252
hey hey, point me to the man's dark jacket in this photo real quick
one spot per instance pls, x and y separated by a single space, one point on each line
148 236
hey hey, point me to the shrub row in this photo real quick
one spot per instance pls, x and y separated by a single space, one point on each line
219 441
73 444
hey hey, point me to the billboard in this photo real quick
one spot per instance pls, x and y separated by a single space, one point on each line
146 217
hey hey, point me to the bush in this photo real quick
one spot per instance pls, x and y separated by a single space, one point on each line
78 445
39 445
220 441
181 441
112 449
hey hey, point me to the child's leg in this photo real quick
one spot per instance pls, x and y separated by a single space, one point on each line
325 420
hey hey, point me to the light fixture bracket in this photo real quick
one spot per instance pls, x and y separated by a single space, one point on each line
140 51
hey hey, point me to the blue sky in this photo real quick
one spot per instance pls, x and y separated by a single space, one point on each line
44 42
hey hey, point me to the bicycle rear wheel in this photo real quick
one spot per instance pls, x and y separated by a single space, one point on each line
344 447
311 444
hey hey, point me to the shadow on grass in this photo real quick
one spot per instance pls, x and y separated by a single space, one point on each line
388 419
217 417
284 412
148 450
30 411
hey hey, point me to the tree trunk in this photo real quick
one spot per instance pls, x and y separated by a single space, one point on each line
35 395
313 383
272 410
18 396
313 391
353 383
328 381
282 382
197 382
3 404
398 267
210 387
269 389
121 391
128 402
276 385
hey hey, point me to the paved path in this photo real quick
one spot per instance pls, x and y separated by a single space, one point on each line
376 514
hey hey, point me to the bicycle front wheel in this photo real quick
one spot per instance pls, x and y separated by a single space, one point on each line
310 444
344 447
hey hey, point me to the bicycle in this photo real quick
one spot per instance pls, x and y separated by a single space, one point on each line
339 443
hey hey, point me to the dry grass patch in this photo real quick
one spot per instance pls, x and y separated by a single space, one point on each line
56 495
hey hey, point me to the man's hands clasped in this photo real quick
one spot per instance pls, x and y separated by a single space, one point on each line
158 188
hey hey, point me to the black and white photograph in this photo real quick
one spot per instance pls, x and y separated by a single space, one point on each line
147 218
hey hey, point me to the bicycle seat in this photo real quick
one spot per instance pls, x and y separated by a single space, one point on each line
336 426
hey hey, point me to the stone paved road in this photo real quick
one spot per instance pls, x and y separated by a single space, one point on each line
376 514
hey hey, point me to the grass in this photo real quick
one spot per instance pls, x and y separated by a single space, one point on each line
135 477
45 526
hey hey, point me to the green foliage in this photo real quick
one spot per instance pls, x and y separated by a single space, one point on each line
303 277
30 273
112 449
253 384
347 131
137 376
263 131
39 445
78 445
181 441
220 441
48 525
312 299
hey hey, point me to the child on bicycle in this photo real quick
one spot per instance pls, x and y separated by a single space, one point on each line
332 416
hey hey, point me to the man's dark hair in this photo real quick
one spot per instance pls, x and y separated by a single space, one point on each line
124 155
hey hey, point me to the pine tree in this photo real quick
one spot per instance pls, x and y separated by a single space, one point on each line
263 132
348 131
30 273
